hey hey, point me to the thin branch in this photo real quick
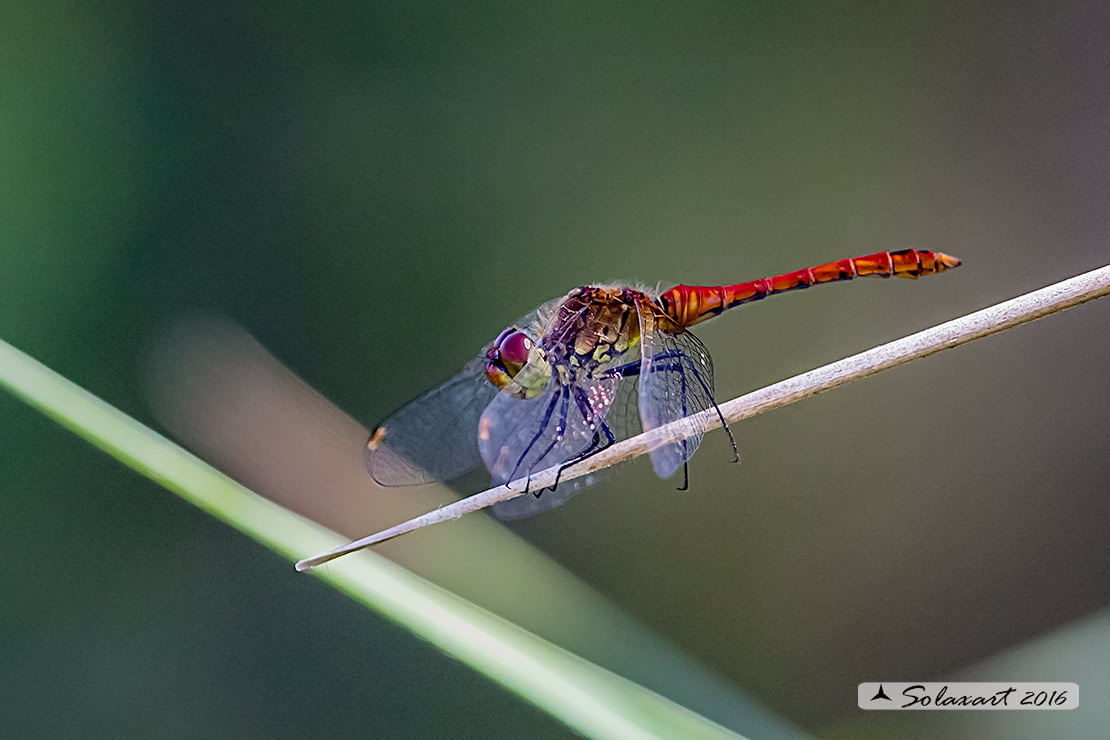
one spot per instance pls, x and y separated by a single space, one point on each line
1031 306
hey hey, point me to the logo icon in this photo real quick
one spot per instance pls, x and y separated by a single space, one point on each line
881 694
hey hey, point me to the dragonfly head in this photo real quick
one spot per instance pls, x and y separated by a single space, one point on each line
515 364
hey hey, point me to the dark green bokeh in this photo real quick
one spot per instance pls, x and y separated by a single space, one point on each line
375 191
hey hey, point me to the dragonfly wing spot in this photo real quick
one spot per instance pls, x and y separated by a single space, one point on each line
376 439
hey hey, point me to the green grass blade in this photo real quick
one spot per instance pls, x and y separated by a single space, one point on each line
593 701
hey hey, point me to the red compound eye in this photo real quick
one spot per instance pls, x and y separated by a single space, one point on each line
514 348
501 337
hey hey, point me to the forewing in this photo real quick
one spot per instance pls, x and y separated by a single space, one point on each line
676 381
435 436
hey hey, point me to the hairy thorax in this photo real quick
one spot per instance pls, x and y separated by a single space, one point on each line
592 327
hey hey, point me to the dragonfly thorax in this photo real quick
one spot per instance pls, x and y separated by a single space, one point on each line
592 327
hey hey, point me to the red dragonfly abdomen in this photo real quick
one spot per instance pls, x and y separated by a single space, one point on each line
689 304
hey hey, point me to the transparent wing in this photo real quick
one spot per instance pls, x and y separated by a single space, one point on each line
623 420
517 438
433 437
676 381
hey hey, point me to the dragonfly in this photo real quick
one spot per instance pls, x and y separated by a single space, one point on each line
581 372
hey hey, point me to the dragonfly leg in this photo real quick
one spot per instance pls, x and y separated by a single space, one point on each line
595 442
709 393
560 431
543 426
685 450
631 369
596 445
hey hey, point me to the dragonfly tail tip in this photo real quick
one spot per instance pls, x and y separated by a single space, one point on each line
948 260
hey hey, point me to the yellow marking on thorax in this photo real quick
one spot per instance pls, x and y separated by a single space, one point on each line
610 327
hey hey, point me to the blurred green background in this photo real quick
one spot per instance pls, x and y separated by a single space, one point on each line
375 191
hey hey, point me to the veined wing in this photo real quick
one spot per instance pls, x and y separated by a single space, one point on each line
623 420
676 381
433 437
517 437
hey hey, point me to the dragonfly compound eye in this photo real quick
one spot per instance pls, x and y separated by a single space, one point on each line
515 348
515 359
